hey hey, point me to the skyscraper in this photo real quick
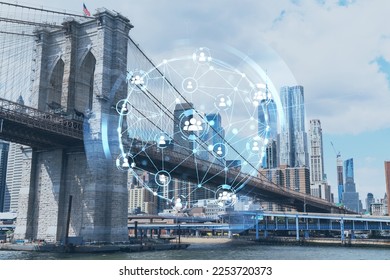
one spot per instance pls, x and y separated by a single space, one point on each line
293 137
387 174
267 127
316 155
350 196
369 200
318 185
14 177
214 136
292 178
4 146
349 176
270 159
340 178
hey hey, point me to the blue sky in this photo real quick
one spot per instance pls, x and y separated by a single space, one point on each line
338 50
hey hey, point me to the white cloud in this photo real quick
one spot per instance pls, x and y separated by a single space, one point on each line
330 50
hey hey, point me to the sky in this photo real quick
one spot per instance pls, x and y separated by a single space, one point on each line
338 50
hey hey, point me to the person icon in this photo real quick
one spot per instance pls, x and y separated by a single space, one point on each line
224 196
186 125
137 80
189 85
255 146
162 142
202 57
219 151
222 102
124 107
162 178
125 163
178 204
193 125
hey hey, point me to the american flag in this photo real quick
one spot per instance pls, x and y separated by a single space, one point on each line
85 10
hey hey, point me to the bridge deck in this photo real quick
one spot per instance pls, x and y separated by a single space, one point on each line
182 166
29 126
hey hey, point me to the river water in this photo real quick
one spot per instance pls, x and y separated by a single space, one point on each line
221 251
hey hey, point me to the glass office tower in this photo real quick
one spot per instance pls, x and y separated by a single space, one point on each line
293 138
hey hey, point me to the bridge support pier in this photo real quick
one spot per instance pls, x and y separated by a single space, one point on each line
99 207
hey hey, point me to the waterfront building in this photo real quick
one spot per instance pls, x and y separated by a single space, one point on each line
379 207
321 190
4 147
340 178
245 203
369 200
270 159
141 200
293 138
350 196
387 175
318 185
293 178
316 152
13 177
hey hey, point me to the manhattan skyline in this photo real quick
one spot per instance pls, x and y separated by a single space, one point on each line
340 60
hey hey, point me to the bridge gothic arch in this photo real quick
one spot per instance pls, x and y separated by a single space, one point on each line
54 92
85 83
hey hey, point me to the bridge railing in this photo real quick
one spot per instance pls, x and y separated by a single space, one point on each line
12 111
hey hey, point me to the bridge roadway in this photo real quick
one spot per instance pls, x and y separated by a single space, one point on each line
35 128
180 165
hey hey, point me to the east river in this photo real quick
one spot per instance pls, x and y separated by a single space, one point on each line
221 251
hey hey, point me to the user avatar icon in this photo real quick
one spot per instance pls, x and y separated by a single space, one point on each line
219 151
202 57
255 146
125 163
137 80
162 141
162 178
222 102
193 125
189 85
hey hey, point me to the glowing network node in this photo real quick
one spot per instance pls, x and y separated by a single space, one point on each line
194 108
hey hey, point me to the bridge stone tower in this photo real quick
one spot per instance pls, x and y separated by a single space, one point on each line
80 71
